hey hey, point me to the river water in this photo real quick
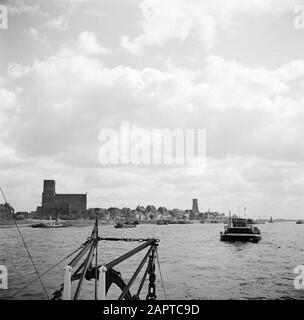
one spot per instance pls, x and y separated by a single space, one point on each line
195 264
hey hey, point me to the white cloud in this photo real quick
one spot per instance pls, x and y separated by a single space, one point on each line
244 109
8 106
36 36
165 20
20 7
60 23
89 45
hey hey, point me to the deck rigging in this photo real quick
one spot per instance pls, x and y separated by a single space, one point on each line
104 275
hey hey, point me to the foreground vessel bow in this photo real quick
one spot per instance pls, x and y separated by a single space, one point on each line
85 266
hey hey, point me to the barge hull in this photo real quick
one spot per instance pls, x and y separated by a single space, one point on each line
240 237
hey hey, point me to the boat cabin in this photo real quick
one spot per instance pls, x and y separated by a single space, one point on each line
239 223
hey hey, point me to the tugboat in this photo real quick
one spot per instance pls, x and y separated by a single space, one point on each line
239 230
50 224
126 224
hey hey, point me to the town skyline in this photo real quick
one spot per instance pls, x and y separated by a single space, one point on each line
241 210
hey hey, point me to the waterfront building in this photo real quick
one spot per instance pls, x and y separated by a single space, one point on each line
115 213
21 215
214 217
94 211
177 213
138 215
186 215
162 210
126 213
141 209
191 214
150 209
103 214
152 216
167 216
54 204
201 216
4 213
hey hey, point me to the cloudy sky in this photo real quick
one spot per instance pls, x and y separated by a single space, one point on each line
70 68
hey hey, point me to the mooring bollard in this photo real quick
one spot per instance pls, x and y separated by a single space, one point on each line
102 283
67 283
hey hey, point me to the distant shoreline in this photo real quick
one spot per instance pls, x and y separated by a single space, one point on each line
88 222
29 222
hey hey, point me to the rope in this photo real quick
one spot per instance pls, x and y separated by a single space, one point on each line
28 252
161 276
48 270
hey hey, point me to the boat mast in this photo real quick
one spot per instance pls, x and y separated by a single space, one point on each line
229 218
96 257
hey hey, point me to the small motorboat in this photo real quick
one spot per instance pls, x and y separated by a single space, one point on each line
179 221
126 224
50 224
239 230
183 221
161 222
300 222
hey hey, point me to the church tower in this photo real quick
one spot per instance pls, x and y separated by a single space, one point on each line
195 207
48 195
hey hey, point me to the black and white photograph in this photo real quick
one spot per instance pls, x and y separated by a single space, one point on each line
151 150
